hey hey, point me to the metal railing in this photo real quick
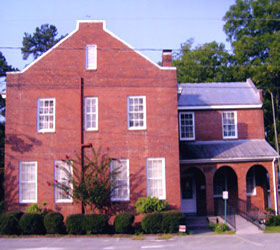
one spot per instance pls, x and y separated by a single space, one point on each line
231 211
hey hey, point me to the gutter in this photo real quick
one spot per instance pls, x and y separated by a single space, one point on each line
224 160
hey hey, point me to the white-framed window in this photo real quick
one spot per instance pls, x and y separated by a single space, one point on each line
62 175
91 113
229 119
187 126
46 115
27 182
136 112
91 57
120 180
251 182
156 177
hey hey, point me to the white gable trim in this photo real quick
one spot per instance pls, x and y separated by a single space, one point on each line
129 46
244 106
74 31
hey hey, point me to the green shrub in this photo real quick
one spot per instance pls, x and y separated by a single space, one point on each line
53 223
95 223
171 221
32 224
74 224
34 209
273 221
9 222
2 207
151 223
150 204
123 223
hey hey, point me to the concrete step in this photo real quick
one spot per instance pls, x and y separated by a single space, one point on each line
197 224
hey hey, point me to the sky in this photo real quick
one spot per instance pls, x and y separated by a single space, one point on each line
147 25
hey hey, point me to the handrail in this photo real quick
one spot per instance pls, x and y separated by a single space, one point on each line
231 211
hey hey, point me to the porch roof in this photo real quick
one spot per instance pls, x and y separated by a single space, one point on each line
226 151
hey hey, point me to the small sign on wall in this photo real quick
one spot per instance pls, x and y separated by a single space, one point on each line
225 195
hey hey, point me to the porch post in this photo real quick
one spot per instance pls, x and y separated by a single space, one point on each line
209 181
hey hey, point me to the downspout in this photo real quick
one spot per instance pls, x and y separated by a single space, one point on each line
82 136
275 186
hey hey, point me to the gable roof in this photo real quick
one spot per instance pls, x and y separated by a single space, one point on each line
105 30
210 95
226 151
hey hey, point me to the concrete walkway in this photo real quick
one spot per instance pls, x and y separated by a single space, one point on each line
245 227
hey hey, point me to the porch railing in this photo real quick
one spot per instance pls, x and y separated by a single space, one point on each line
231 211
251 213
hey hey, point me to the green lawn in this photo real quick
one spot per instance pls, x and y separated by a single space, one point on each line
272 229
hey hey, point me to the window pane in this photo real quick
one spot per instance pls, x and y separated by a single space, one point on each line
229 124
63 173
91 115
136 112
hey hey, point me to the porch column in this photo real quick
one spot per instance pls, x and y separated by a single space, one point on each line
273 184
209 181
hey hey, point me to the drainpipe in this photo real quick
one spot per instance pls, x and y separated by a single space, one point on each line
275 186
82 136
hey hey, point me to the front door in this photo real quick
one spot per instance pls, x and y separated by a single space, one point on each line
188 194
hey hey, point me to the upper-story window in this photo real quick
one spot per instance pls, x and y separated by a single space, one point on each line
229 124
120 180
136 112
91 113
187 126
27 181
91 56
46 115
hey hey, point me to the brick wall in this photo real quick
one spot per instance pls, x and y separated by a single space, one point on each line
120 72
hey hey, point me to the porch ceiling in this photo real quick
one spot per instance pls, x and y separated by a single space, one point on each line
221 151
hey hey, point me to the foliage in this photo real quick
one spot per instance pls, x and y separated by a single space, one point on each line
252 27
9 222
218 227
123 223
151 223
95 223
32 223
91 179
209 62
42 40
171 220
4 66
53 222
150 204
74 224
35 209
273 221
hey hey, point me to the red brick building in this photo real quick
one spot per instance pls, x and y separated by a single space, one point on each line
223 148
94 88
130 106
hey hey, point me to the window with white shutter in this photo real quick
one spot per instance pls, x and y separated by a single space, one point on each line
156 177
91 56
63 174
28 182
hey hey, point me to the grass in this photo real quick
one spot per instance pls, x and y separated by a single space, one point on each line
220 228
272 229
137 237
164 237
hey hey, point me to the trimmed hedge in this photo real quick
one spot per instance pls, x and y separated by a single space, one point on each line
151 223
273 221
53 222
32 224
123 223
9 222
171 221
74 224
95 223
150 204
163 222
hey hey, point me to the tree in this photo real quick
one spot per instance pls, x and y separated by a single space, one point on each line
209 62
253 28
42 40
4 67
90 183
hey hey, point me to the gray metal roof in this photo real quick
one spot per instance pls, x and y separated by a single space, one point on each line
209 94
226 151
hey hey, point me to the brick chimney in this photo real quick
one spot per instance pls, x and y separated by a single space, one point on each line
166 57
